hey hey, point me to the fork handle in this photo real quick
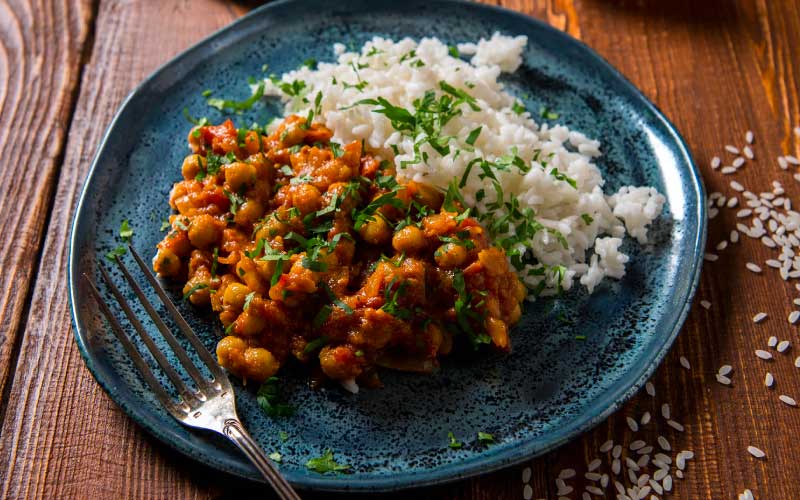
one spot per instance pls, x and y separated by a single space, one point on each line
234 431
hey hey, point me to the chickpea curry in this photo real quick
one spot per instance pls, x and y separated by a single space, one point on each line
314 251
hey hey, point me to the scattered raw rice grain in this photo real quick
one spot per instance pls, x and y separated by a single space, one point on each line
586 496
685 362
567 474
664 444
746 495
732 202
783 163
651 389
663 458
643 460
604 480
706 304
617 451
711 257
620 487
722 245
680 462
773 263
793 317
667 483
679 474
712 213
748 137
767 241
725 369
615 466
637 445
656 487
772 341
594 490
769 380
594 464
748 152
645 418
632 476
527 492
605 447
755 452
763 354
797 131
752 267
526 475
792 160
738 162
642 480
731 149
797 362
632 465
687 454
737 186
665 411
722 379
592 476
783 345
632 424
715 162
675 425
728 170
787 400
745 212
647 450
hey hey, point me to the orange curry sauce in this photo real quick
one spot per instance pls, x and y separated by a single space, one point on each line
313 251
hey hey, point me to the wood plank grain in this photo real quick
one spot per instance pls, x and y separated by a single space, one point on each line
63 437
40 54
716 68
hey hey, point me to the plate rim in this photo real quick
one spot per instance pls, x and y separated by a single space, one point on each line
454 471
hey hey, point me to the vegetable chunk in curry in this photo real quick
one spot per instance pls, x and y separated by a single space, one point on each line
314 251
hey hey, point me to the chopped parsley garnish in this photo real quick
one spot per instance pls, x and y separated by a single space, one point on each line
164 225
336 149
453 51
518 108
544 112
326 463
116 252
580 337
373 51
473 136
587 219
310 63
360 86
485 438
200 122
335 300
271 399
283 436
408 55
322 316
231 105
195 288
215 262
367 214
454 443
293 89
563 177
247 300
125 230
275 457
391 298
461 239
236 201
315 345
466 314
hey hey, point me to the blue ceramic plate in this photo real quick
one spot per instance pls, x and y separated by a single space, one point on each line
551 388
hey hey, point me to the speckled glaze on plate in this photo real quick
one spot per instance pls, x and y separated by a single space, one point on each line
551 388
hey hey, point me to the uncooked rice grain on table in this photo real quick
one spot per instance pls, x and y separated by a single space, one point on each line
593 250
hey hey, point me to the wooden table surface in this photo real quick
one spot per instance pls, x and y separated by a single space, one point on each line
717 68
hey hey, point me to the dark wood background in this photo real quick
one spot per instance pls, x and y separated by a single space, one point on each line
715 67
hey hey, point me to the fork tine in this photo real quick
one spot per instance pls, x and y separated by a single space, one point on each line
182 324
137 358
179 351
173 376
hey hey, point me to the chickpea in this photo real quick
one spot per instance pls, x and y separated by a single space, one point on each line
450 255
230 353
292 134
192 165
204 231
498 331
249 212
200 296
239 175
235 295
247 271
252 142
306 198
195 138
340 362
249 323
166 263
376 231
409 239
260 364
515 314
427 195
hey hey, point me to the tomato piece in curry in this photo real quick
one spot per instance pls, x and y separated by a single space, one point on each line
314 251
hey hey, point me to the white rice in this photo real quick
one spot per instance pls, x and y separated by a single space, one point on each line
755 452
592 250
788 400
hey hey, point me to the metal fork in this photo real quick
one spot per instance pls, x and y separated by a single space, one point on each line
211 405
